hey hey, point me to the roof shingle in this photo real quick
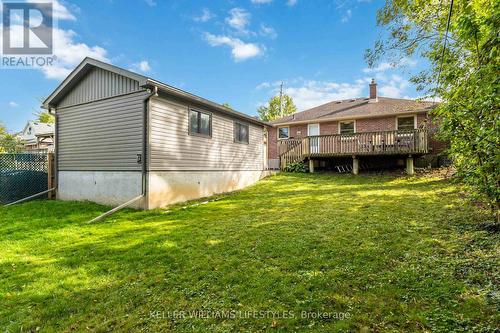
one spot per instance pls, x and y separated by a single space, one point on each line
357 108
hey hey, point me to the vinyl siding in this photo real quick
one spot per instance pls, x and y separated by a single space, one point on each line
102 135
172 148
99 84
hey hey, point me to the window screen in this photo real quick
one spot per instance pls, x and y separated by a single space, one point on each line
347 127
240 133
283 133
406 123
200 123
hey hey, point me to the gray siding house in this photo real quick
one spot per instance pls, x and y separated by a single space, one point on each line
143 137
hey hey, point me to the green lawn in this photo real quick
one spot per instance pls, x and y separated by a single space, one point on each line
371 253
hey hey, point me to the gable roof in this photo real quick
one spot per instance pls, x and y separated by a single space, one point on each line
39 128
145 82
355 109
80 71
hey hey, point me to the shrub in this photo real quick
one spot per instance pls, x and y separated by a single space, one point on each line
298 167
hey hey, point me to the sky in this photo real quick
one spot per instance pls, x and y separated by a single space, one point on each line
230 51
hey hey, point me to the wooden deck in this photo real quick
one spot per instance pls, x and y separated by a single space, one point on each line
413 142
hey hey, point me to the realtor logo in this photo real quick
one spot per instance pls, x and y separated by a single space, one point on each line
27 28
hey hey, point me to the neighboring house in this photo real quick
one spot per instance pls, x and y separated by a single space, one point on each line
120 134
37 136
345 135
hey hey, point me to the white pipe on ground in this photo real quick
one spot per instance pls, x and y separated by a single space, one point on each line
30 197
114 210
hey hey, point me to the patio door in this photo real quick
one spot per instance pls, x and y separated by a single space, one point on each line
313 133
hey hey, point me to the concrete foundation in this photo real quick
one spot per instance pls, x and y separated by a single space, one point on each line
165 188
170 187
105 187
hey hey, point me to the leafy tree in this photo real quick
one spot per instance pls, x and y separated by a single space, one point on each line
460 40
3 130
272 110
9 143
45 117
227 105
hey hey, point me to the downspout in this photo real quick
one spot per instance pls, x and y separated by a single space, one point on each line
145 102
145 140
56 149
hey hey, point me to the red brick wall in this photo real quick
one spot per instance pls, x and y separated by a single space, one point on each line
272 143
329 128
376 124
298 131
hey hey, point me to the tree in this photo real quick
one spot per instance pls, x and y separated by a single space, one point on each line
45 117
227 105
460 40
272 110
9 143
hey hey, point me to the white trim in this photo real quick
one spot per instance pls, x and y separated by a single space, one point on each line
313 142
415 121
347 121
278 132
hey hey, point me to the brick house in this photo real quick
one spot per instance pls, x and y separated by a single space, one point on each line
354 134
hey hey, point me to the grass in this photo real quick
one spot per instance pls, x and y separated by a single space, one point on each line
370 253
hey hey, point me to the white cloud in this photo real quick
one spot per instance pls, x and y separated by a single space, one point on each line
347 16
291 3
239 19
150 3
240 50
205 16
395 87
260 2
142 66
13 104
384 66
268 31
70 53
61 12
263 85
310 93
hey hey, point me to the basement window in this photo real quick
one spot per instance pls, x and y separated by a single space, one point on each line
200 123
406 123
283 132
240 133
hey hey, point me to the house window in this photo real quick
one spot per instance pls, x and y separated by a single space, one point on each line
283 132
240 133
200 123
406 123
347 127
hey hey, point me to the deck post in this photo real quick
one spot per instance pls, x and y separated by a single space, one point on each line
311 166
409 166
355 165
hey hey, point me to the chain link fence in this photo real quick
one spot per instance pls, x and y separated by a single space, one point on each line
22 175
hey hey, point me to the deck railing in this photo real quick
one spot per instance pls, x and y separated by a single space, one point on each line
367 143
